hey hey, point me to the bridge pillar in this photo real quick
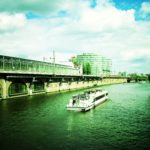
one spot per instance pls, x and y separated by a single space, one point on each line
46 87
29 88
4 88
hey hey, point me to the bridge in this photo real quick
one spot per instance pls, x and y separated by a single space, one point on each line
19 77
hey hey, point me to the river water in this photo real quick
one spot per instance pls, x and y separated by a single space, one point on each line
41 122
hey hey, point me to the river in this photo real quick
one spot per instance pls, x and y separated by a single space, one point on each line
41 122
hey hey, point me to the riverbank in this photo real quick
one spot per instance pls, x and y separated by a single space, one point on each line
53 87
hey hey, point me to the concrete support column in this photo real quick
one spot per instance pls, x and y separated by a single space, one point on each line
4 89
8 83
29 88
5 86
46 87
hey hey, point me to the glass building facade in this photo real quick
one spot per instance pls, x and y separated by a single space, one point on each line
100 65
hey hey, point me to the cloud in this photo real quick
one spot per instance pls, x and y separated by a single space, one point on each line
10 22
26 5
145 7
107 18
37 6
101 29
144 12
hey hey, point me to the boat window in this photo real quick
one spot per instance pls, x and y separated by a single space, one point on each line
75 98
82 97
87 92
99 97
98 90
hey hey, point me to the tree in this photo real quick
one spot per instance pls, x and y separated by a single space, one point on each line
148 75
138 77
75 61
133 76
86 68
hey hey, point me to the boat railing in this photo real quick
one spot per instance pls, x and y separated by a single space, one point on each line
93 91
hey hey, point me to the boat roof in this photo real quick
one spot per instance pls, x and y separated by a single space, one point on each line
92 91
83 95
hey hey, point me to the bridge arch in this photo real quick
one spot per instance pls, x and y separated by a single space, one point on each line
17 88
1 90
38 86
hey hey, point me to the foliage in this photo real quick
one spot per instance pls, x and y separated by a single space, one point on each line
86 68
148 76
75 61
138 77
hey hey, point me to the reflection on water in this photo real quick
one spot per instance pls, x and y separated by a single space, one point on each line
42 121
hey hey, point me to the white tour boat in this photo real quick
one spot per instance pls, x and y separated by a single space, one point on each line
87 100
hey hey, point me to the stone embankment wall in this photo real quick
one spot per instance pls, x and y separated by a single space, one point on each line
54 86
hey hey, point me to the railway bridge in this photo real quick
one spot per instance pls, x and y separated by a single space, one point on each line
20 77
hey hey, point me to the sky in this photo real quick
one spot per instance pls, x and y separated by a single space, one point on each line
116 29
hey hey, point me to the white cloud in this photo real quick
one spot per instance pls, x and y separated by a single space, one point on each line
106 18
145 7
11 21
104 29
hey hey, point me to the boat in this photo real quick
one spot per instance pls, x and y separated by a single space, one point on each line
87 100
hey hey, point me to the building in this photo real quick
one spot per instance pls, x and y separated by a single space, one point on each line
99 65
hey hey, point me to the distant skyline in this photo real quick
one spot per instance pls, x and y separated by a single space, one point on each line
117 29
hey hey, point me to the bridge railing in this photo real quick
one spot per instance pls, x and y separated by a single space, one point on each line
19 65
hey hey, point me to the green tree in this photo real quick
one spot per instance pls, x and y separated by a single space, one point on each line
75 61
86 68
133 77
148 75
138 77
